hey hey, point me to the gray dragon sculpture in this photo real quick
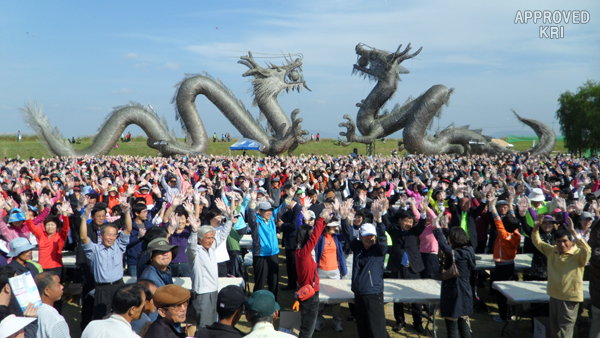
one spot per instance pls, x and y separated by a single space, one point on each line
281 132
415 115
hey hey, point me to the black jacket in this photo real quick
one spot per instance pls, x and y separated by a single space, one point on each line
456 297
367 267
218 330
405 241
472 215
288 228
161 328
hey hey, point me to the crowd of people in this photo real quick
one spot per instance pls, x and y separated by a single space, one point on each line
366 219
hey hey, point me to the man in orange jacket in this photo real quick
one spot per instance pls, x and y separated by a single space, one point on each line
505 250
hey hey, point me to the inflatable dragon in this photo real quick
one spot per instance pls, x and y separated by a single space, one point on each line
280 134
415 115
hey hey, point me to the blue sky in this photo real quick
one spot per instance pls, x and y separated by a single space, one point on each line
80 59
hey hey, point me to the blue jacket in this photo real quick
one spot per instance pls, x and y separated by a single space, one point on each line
341 258
158 277
264 233
134 248
367 267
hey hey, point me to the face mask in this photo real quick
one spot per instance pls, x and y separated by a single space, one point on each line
302 195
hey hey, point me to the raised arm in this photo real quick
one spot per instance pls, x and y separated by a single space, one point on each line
192 247
221 236
442 242
544 247
83 226
126 214
64 231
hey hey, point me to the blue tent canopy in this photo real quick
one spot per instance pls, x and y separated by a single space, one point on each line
247 144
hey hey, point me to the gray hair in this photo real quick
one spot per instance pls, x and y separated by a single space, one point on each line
108 225
270 319
204 230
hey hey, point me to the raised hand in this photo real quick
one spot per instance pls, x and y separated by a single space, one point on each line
580 204
221 205
123 202
307 202
189 207
197 197
523 206
423 206
376 209
336 205
327 214
174 223
23 199
194 223
130 190
384 203
177 199
571 227
511 191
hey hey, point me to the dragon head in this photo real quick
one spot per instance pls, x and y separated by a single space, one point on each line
269 82
378 64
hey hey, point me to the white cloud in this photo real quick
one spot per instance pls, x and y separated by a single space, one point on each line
121 91
171 66
130 56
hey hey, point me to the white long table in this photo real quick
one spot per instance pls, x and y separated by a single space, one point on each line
531 292
486 262
426 291
520 293
334 291
186 282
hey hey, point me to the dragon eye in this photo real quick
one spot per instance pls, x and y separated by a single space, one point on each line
363 62
294 75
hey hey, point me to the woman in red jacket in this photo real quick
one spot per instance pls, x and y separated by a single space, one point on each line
306 267
50 240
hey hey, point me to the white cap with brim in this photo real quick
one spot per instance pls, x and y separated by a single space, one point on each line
367 229
333 224
13 324
537 195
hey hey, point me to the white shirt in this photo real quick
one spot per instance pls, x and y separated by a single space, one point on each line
266 330
114 327
222 254
51 324
203 263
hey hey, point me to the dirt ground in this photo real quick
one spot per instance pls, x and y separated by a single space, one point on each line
482 324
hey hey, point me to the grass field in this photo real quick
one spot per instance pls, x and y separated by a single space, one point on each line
29 147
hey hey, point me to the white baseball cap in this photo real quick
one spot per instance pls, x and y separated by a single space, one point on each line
13 324
367 229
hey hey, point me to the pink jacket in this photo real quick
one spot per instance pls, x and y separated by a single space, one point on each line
428 242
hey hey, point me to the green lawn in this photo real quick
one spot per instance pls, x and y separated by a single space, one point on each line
29 147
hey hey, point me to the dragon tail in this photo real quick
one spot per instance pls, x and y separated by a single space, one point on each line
544 132
48 135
